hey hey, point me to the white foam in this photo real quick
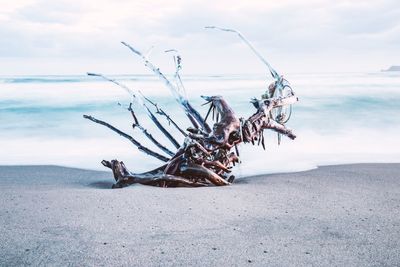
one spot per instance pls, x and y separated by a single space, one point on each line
62 137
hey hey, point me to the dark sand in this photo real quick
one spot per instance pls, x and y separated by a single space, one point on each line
345 215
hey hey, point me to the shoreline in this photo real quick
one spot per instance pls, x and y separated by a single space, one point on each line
105 170
337 215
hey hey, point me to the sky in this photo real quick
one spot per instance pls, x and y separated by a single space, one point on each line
73 37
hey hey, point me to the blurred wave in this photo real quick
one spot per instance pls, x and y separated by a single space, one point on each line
341 118
124 77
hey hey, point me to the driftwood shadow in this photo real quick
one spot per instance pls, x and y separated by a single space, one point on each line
241 180
101 185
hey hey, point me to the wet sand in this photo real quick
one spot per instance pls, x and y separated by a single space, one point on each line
347 215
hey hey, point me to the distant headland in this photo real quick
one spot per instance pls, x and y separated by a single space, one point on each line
393 68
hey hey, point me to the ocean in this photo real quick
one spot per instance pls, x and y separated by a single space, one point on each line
340 118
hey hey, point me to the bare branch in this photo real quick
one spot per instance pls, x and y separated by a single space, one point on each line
162 112
138 96
147 134
174 90
130 138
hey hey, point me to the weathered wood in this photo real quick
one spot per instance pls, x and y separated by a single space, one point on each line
206 156
156 178
130 138
136 124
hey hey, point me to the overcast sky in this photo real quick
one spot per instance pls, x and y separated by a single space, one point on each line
72 37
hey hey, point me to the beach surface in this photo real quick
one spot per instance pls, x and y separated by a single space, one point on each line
345 215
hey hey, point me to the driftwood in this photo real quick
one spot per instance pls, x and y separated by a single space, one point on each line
207 154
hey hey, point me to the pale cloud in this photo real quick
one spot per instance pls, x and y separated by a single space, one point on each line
291 33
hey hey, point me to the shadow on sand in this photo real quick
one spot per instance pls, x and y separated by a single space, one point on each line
101 184
109 184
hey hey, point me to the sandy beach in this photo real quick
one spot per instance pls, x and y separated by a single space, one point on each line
346 215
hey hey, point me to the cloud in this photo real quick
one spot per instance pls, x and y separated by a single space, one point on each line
54 12
286 31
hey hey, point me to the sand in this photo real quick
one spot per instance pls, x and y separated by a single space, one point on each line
346 215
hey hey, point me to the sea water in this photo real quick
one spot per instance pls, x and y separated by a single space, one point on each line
340 118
